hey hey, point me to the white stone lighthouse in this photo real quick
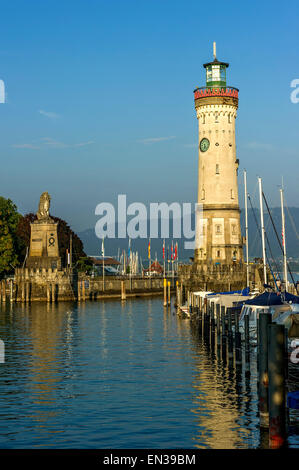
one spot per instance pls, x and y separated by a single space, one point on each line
216 107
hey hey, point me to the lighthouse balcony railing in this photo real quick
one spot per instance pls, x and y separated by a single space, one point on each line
203 92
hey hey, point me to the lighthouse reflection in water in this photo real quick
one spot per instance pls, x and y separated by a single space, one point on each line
119 375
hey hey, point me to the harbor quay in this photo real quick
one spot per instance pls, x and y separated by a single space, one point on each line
52 285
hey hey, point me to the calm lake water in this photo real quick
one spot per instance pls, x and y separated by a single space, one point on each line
119 375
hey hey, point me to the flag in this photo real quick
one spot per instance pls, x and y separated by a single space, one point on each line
176 251
149 249
172 250
103 250
164 248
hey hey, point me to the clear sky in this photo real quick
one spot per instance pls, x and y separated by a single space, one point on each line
100 98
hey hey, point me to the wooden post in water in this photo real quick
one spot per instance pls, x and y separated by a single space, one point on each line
48 292
222 308
11 291
230 333
4 291
168 292
23 291
27 291
83 289
53 292
277 379
247 352
123 290
264 321
79 290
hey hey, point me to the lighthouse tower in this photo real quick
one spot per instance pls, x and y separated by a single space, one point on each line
216 107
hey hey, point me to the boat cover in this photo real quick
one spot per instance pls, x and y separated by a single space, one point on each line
273 298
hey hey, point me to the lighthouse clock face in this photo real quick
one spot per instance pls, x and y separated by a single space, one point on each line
204 144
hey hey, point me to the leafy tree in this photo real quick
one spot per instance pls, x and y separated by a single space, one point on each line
64 232
85 265
9 219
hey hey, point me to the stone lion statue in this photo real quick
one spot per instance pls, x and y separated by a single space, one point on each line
44 207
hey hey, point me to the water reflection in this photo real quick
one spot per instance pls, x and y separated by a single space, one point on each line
113 374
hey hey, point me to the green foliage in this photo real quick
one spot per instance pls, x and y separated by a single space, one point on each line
9 219
85 265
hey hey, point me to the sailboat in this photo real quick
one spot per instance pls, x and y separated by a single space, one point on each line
283 306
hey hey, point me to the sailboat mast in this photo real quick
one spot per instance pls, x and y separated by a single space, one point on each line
263 229
285 269
246 228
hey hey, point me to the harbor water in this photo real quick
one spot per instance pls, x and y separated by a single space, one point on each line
110 375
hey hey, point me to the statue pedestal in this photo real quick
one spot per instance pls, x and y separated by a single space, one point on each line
44 251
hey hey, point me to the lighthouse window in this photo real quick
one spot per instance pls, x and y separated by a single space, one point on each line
216 117
203 118
217 169
203 194
229 118
218 253
218 229
234 229
232 195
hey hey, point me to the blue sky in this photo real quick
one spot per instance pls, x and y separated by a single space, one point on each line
99 99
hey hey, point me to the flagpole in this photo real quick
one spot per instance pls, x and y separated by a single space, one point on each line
263 230
246 228
103 255
285 268
164 257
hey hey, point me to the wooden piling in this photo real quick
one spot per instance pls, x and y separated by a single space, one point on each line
23 291
264 321
168 292
79 290
11 291
4 291
277 382
83 289
123 290
27 291
48 293
53 292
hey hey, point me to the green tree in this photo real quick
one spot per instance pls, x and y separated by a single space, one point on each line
9 219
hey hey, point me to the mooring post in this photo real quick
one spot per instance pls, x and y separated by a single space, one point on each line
123 290
230 333
236 322
79 290
222 309
168 292
53 292
11 290
277 389
4 291
27 291
247 351
83 289
48 292
264 321
23 291
238 348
